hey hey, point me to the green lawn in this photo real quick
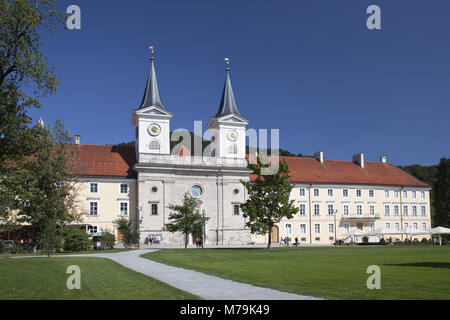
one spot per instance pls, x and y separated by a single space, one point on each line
416 272
45 278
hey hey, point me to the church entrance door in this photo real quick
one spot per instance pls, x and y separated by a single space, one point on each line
274 235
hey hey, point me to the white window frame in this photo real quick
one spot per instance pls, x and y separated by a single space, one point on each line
346 227
90 187
317 205
302 209
387 210
396 209
422 194
358 193
331 209
316 192
315 228
331 228
97 208
330 192
414 210
89 227
371 210
120 187
386 193
371 193
346 209
345 193
405 210
303 228
423 210
359 210
302 192
127 206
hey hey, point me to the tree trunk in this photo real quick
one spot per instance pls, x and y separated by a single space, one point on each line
270 238
186 240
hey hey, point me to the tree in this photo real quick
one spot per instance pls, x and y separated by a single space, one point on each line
185 219
44 185
442 194
268 199
75 240
23 69
130 237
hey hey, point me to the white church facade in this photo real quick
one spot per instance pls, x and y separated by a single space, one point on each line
140 182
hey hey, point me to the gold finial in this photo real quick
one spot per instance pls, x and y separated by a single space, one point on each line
152 50
227 61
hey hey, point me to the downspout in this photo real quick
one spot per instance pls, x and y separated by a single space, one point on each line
401 210
309 209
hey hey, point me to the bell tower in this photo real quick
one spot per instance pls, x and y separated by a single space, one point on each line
152 119
228 126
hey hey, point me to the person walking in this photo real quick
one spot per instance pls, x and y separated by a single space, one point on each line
390 241
434 241
440 240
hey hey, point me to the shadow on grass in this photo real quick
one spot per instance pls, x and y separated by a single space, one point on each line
444 265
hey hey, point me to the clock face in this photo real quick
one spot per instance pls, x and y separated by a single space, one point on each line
232 135
196 191
154 129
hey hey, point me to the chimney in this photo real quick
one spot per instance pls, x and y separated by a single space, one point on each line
383 159
359 159
40 122
77 139
319 156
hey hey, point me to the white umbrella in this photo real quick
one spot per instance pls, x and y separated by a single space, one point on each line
353 233
439 230
382 231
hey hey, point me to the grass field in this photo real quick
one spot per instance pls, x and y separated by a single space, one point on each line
416 272
45 278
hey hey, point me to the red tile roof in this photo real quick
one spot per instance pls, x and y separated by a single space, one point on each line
111 161
107 161
310 170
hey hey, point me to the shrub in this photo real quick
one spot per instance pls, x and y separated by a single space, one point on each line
424 240
382 241
2 246
108 240
17 248
75 240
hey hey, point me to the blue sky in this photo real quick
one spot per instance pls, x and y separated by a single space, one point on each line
310 68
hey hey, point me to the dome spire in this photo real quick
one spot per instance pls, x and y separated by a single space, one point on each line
151 93
227 103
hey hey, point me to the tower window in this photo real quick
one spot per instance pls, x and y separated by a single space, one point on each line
232 149
154 146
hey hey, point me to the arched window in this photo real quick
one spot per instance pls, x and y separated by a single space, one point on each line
232 149
154 146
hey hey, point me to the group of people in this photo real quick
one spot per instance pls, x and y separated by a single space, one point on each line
285 241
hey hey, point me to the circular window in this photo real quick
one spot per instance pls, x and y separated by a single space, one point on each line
196 191
236 191
154 189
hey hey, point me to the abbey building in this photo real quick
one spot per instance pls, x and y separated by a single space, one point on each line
334 196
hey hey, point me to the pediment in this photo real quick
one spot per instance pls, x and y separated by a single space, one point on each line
154 111
233 118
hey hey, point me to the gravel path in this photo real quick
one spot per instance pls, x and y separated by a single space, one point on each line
200 284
